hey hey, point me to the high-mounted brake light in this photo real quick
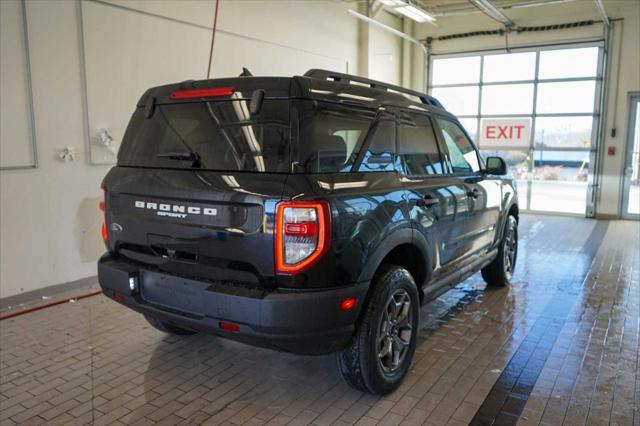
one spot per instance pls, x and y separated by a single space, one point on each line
229 326
202 93
302 235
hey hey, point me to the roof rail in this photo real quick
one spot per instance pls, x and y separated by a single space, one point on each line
321 74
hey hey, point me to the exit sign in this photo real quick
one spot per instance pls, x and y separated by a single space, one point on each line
505 132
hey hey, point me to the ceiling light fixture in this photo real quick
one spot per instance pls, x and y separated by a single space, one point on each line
393 3
409 10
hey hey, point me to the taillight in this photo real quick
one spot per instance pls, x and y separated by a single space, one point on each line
302 234
103 206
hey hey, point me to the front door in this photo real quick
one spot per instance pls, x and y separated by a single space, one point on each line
437 201
631 176
483 194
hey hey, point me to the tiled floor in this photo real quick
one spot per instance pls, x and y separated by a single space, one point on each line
558 347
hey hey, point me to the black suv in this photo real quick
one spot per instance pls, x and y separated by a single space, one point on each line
311 214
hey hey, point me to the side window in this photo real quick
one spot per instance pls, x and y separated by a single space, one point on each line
417 145
461 155
330 135
381 153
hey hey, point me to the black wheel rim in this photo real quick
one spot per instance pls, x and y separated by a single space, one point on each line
510 249
395 332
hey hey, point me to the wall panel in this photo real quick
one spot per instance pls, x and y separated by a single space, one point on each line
17 148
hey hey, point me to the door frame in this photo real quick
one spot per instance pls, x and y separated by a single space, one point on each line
633 102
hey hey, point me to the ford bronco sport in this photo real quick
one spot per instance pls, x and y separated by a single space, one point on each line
311 214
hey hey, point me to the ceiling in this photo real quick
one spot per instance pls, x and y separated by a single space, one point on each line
463 7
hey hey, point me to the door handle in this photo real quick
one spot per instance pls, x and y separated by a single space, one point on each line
427 201
473 193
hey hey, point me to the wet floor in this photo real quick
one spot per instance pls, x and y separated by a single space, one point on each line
560 346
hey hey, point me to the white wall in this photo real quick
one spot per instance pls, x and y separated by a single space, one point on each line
49 220
625 69
49 225
625 61
385 50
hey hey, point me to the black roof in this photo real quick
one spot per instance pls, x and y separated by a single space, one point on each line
315 84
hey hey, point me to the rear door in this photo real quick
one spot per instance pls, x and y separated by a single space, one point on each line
196 186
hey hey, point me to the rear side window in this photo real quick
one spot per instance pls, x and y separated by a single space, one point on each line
380 155
417 145
330 135
461 155
222 133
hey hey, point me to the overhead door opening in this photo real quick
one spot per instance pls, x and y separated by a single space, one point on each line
537 108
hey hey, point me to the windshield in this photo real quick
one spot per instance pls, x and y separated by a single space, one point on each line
218 135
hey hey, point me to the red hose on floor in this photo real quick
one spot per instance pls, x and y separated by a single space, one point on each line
48 305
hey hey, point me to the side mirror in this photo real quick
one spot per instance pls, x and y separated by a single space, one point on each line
496 166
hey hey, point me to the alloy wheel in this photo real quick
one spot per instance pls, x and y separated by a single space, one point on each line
510 248
395 331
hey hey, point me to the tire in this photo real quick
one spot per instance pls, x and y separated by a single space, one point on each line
165 327
366 363
499 272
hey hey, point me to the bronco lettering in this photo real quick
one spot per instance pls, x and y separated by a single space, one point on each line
175 210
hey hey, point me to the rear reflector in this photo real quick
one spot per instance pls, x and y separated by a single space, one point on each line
229 326
202 93
119 297
348 304
301 229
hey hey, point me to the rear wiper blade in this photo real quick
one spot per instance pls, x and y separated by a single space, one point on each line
193 157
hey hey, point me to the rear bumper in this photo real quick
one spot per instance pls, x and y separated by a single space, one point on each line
303 322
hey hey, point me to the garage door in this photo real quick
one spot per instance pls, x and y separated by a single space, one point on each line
536 108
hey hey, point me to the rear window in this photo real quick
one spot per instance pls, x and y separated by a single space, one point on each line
222 133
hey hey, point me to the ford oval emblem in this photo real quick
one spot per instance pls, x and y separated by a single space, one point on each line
116 227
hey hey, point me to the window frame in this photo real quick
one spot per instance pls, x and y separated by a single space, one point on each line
403 166
443 145
295 133
381 114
